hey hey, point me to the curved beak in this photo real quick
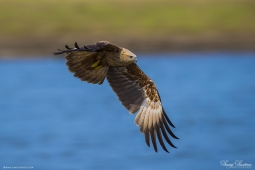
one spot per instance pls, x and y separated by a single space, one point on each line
135 59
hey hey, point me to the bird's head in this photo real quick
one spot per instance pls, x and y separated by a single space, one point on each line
127 56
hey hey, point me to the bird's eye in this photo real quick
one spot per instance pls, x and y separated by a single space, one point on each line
131 56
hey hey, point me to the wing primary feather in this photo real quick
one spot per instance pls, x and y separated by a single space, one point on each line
76 45
165 135
67 47
130 85
156 125
161 139
140 122
147 136
168 120
57 53
146 119
91 48
168 129
138 115
153 138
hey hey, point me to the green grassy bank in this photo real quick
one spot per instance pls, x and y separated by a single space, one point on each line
127 18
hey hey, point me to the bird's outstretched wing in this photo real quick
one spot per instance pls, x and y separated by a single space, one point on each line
85 63
97 47
138 93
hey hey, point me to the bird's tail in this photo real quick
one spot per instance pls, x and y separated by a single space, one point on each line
86 67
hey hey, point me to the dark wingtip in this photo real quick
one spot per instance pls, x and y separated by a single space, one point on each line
63 51
167 118
169 130
175 137
147 137
67 47
76 45
153 138
57 53
160 139
174 146
148 143
166 150
165 135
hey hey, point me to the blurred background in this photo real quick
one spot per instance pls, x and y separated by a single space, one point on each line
35 28
200 54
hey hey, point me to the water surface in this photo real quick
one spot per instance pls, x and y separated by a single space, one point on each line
51 120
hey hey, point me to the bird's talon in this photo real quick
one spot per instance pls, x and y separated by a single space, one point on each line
98 67
95 64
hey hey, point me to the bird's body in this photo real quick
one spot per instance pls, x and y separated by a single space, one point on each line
136 91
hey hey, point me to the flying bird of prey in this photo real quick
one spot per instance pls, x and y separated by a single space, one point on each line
136 91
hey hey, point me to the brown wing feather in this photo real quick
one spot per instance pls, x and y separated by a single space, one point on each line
80 60
97 47
138 93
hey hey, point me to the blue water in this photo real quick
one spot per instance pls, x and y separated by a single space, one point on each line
51 120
